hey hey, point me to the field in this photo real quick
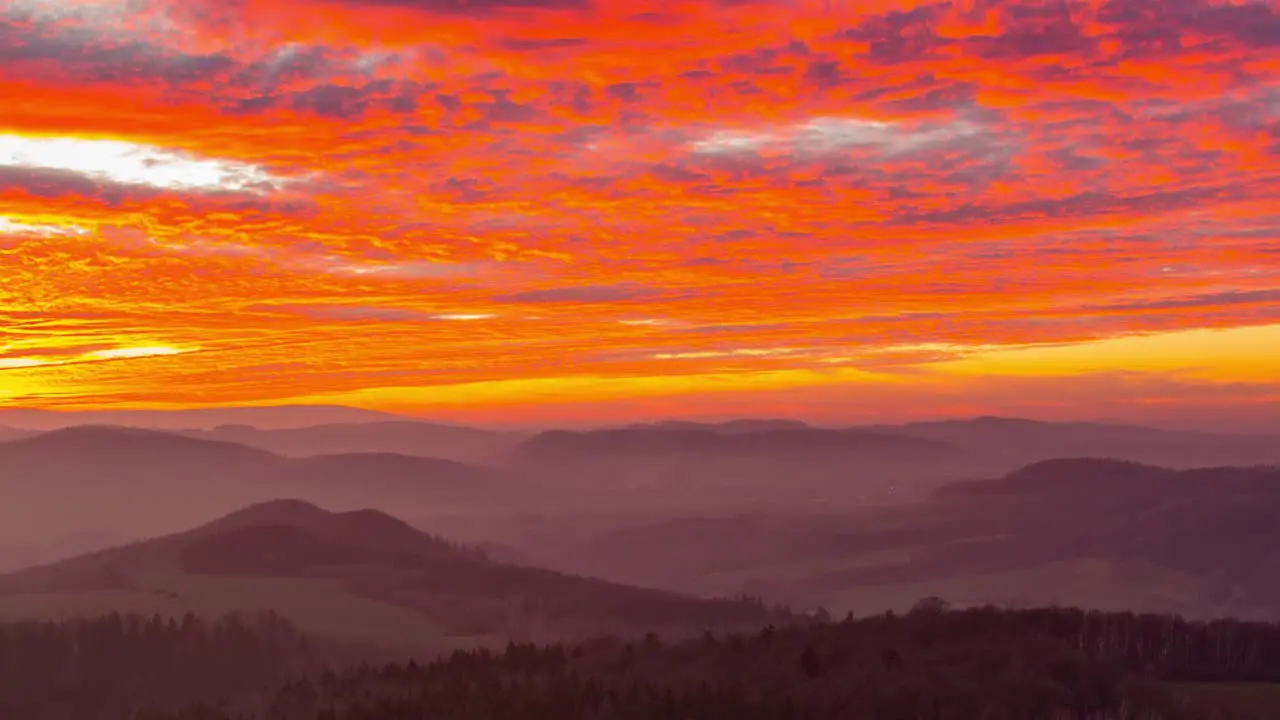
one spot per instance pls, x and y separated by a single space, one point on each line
318 606
1261 699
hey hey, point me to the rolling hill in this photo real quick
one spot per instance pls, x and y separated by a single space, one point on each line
11 433
450 442
359 575
119 480
708 466
751 464
91 481
1096 533
1017 442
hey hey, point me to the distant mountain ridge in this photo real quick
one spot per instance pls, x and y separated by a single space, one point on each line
74 489
12 433
145 482
705 465
1084 531
1020 441
785 462
703 439
112 480
402 437
744 425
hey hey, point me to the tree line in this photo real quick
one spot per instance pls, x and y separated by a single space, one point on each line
113 666
930 664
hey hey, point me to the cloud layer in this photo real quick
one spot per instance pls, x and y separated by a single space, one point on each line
686 204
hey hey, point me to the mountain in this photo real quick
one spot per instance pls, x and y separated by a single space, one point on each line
108 479
729 426
133 483
10 433
706 466
641 441
360 575
1019 442
1213 524
1088 532
281 416
451 442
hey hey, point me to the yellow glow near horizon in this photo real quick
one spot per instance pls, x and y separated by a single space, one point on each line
1229 354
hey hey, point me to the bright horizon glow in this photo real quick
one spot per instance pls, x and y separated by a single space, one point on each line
544 212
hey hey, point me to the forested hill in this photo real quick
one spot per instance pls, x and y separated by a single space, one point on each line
365 576
989 664
111 667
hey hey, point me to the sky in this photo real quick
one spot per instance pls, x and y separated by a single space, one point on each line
586 210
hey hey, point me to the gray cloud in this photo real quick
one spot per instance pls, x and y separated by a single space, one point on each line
296 76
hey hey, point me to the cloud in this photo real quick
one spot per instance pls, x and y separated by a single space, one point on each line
826 135
132 164
1252 23
619 292
358 313
471 7
10 226
59 356
541 44
730 353
1230 297
882 189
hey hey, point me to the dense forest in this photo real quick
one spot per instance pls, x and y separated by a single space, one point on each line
932 663
112 666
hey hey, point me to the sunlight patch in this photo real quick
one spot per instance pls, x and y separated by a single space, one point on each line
128 163
38 359
10 226
133 352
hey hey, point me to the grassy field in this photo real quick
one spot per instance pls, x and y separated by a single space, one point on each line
1261 699
317 606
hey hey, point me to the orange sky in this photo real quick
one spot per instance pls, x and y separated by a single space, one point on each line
544 210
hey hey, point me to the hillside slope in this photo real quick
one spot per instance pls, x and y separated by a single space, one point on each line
1020 442
1090 532
363 566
